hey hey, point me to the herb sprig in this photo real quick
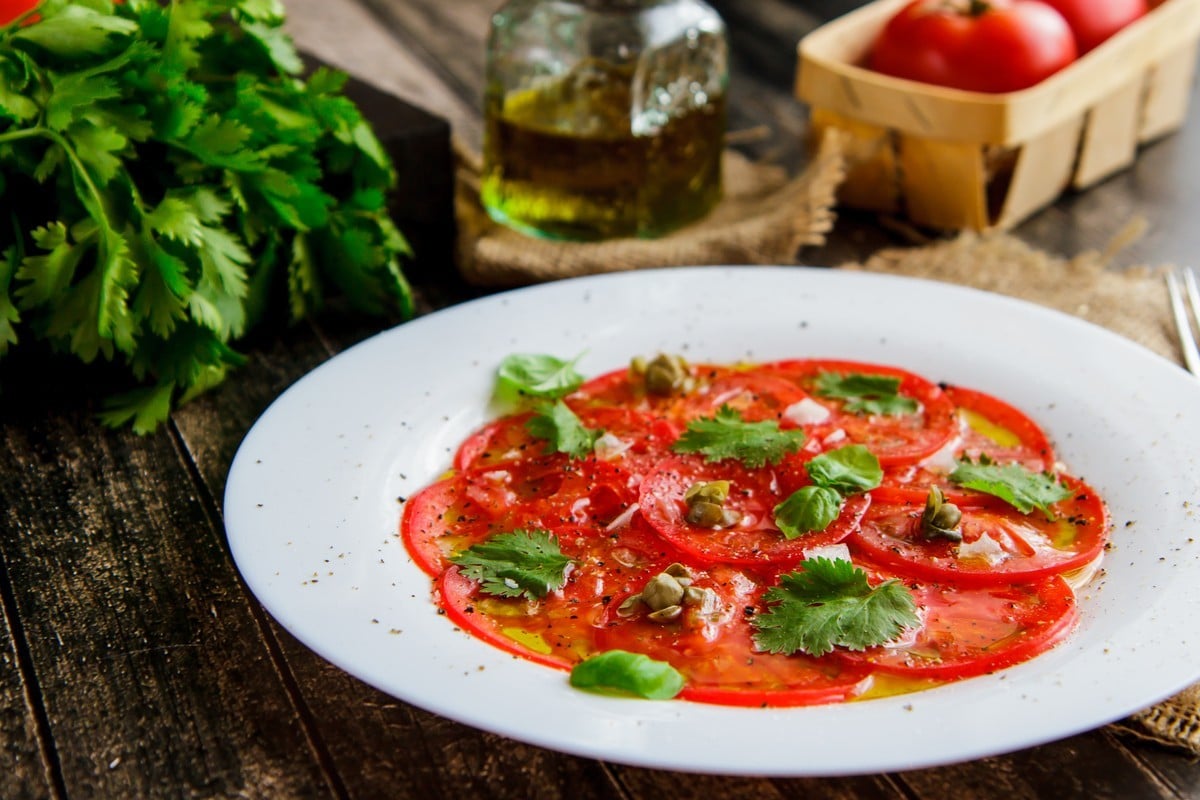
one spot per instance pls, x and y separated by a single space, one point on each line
829 603
726 435
1021 488
835 475
164 174
866 393
521 563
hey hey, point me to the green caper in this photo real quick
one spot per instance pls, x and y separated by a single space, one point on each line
629 606
666 375
706 515
707 491
940 519
666 614
661 591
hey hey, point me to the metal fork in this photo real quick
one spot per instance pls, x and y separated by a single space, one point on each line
1181 283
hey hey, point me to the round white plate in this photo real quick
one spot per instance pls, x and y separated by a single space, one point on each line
314 497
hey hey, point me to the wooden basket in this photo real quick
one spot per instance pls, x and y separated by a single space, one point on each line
954 159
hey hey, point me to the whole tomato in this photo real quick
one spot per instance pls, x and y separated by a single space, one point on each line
11 9
1093 21
977 45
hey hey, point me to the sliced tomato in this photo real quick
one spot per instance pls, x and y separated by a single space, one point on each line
987 426
755 539
640 436
1021 547
557 629
973 631
547 492
712 646
894 439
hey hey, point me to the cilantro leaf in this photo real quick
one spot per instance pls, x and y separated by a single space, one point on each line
1021 488
865 393
829 603
519 563
537 375
628 672
562 429
727 435
163 175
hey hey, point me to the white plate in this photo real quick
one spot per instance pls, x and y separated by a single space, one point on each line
311 509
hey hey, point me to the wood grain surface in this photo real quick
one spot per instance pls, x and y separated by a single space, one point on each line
135 664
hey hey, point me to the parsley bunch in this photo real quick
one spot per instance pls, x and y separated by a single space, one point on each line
164 172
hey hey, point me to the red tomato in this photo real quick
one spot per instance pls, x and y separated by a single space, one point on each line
899 439
1032 545
507 440
969 632
713 647
979 46
11 9
545 492
987 426
1093 21
755 539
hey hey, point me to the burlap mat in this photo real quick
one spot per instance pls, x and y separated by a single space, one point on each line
1132 302
764 218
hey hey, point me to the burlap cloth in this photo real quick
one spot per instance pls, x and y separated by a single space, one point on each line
766 218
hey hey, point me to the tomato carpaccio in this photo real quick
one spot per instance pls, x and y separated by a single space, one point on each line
995 592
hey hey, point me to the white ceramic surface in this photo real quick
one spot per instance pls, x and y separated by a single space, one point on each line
311 509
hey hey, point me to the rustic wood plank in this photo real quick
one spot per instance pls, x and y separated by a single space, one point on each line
151 670
1178 770
1097 769
27 775
659 783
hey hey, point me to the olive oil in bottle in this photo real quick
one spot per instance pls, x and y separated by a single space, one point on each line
620 135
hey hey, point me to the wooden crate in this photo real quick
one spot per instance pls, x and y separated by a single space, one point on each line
953 159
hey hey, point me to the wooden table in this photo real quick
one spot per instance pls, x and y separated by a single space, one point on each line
134 663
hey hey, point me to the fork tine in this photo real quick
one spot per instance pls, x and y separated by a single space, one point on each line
1187 338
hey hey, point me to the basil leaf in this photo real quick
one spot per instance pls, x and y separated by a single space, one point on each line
849 470
628 672
537 375
808 509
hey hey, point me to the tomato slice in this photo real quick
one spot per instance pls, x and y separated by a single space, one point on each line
755 539
545 492
894 439
1021 547
973 631
987 426
641 438
557 629
712 646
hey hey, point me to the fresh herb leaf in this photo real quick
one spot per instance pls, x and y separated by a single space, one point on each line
726 435
519 563
835 475
829 603
849 470
628 672
164 173
809 508
1021 488
866 394
537 375
562 429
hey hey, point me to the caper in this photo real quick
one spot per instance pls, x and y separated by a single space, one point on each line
629 606
707 491
706 515
666 614
666 375
661 591
940 519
